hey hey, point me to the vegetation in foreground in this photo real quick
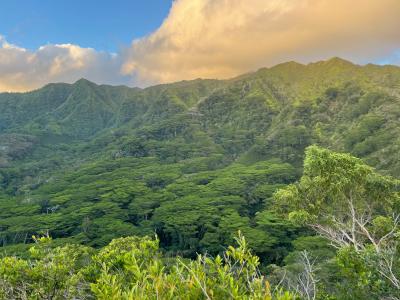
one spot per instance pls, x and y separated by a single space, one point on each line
132 268
345 202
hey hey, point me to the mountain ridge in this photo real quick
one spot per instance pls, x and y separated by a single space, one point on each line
331 61
92 162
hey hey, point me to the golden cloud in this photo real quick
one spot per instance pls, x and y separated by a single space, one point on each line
224 38
219 39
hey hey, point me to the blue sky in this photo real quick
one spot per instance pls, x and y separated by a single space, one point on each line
100 24
146 42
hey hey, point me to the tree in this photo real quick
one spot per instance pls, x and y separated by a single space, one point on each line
305 282
352 206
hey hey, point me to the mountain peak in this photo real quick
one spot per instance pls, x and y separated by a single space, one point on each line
338 61
84 81
290 64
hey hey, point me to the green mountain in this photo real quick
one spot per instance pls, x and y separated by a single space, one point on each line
192 161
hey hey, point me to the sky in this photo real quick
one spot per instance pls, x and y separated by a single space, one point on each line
100 24
141 43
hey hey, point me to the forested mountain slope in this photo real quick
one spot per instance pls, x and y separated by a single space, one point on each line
192 161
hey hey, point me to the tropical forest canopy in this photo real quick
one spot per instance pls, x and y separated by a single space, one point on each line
127 192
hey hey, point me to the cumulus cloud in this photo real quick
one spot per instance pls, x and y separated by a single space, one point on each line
219 39
223 38
22 69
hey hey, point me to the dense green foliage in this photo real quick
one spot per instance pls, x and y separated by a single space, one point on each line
196 161
132 268
343 200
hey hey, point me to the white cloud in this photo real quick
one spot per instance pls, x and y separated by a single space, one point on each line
22 69
219 39
223 38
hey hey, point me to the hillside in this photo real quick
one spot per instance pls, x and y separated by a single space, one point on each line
192 161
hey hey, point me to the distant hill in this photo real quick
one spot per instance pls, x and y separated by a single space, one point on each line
193 161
